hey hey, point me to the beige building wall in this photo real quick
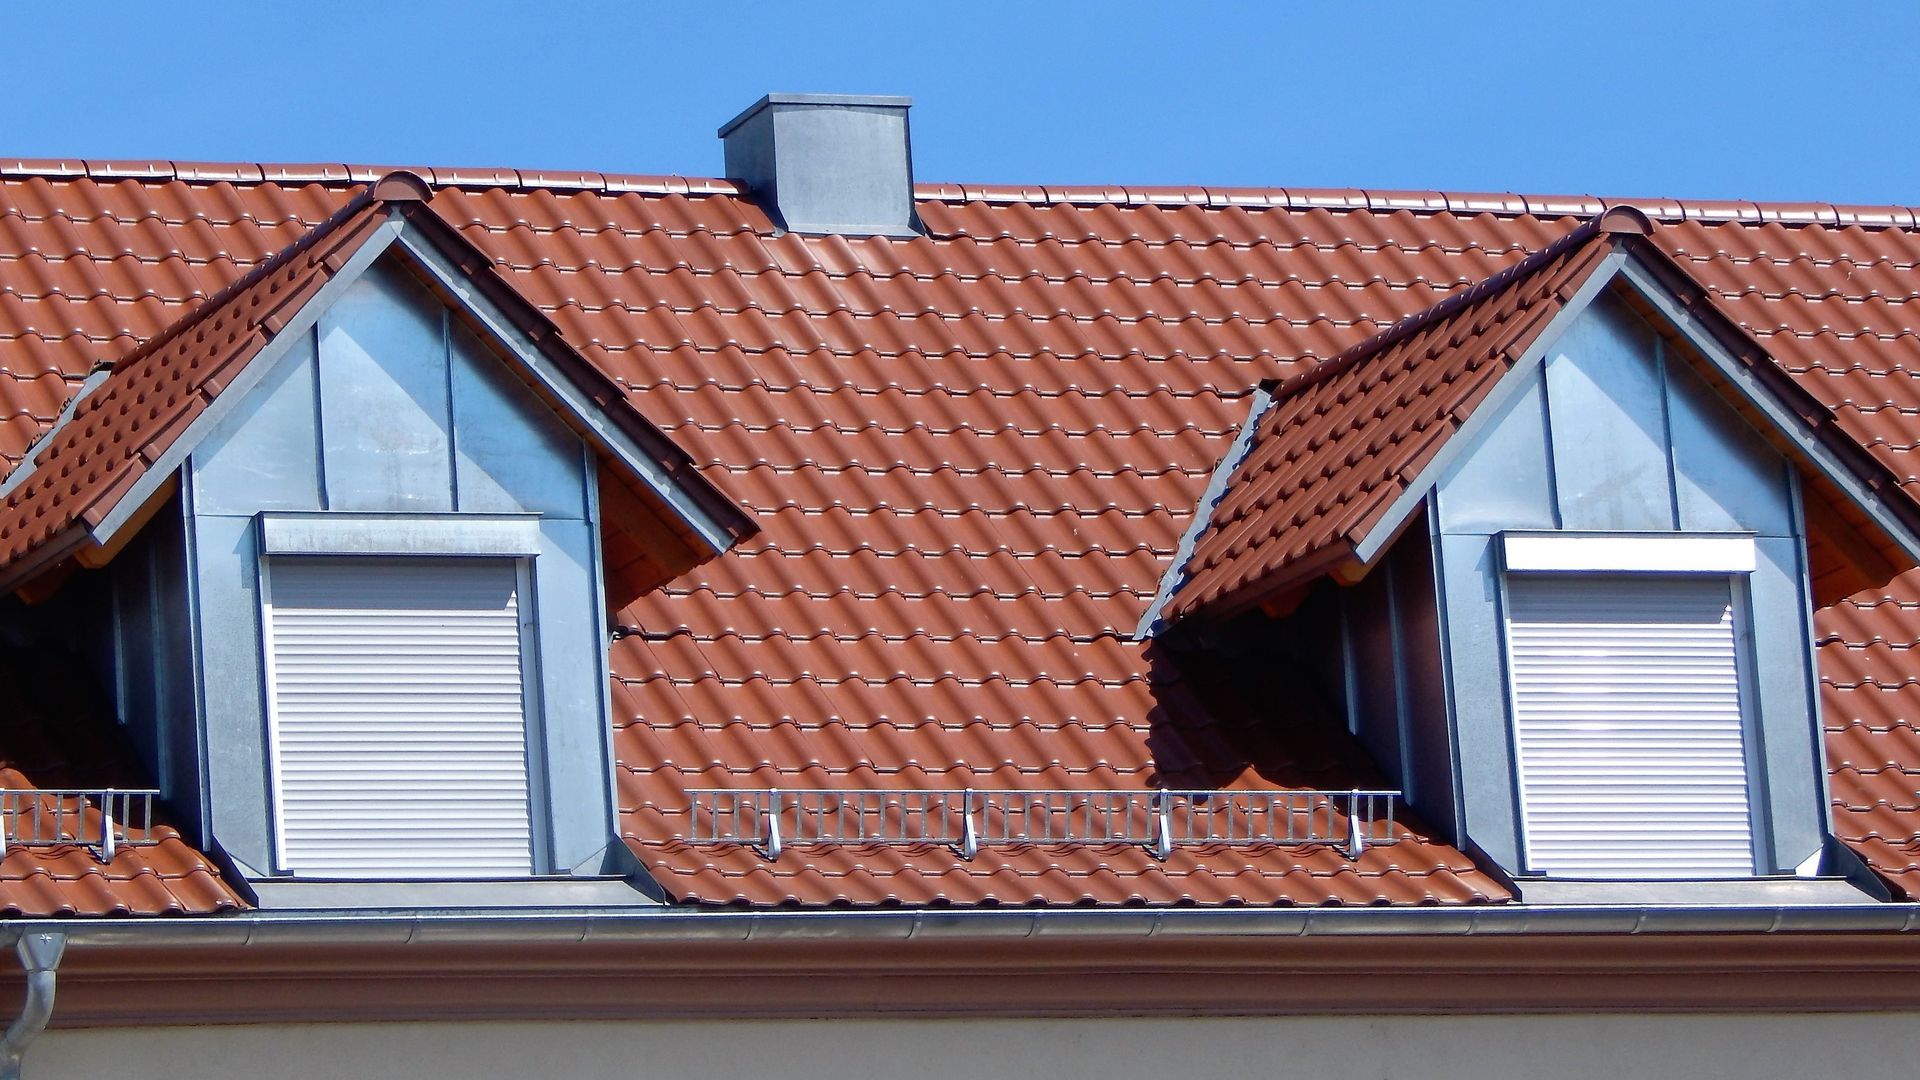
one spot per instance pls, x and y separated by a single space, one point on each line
1696 1047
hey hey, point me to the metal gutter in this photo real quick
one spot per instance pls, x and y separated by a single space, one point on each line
666 926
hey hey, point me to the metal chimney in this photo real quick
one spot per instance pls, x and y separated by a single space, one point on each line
827 163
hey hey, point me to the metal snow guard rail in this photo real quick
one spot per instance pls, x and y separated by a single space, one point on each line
102 819
1159 820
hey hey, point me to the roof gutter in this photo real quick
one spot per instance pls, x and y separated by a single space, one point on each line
523 926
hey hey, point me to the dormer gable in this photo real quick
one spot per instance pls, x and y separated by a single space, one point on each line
363 495
1569 527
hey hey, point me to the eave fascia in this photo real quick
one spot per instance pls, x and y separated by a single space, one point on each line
265 967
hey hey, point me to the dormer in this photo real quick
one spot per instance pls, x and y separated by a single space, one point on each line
352 531
1556 543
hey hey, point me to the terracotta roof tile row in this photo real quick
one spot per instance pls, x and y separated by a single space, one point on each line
972 456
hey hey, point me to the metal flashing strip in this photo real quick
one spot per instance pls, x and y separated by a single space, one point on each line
667 925
26 467
1176 574
1567 553
328 533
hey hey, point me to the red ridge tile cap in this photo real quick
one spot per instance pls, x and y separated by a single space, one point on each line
401 186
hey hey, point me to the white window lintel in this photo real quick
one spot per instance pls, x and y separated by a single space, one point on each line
330 533
1573 553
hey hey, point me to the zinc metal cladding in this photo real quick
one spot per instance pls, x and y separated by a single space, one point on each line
972 456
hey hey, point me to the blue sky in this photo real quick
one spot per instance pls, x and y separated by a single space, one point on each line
1812 100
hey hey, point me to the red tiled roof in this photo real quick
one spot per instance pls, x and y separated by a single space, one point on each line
972 455
1348 438
84 467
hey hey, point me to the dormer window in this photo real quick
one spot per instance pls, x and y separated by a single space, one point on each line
1563 529
367 479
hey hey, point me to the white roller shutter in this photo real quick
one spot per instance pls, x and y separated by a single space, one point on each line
399 730
1627 720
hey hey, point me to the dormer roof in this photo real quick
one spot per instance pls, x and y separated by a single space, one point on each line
1350 446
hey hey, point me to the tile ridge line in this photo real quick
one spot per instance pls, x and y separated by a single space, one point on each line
1504 204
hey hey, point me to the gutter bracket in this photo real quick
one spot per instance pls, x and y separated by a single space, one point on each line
39 954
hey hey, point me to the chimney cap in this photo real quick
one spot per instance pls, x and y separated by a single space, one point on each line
884 101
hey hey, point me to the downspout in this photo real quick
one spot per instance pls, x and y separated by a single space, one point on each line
39 955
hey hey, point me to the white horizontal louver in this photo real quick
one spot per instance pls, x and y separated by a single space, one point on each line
400 738
1627 719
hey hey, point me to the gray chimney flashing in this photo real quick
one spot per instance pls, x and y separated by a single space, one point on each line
827 163
890 101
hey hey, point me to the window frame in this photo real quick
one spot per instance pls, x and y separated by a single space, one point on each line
1732 557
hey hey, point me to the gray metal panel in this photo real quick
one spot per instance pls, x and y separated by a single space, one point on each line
826 165
511 452
577 736
399 534
1505 481
1789 737
1470 597
1428 742
228 606
136 626
177 768
1725 476
1608 420
384 413
262 454
155 668
1376 683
